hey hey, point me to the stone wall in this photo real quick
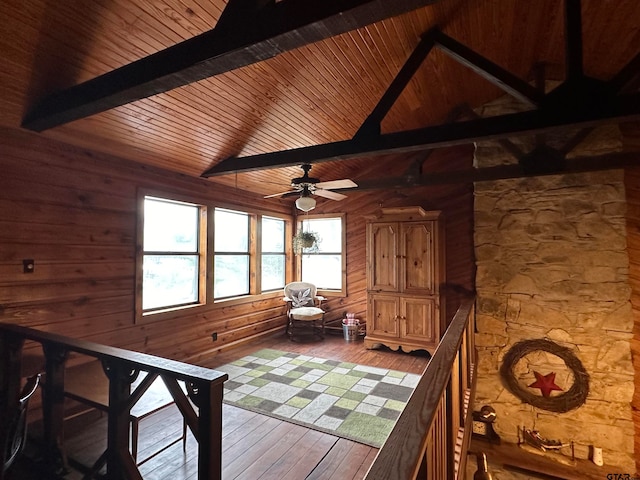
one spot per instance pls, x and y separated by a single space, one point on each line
552 264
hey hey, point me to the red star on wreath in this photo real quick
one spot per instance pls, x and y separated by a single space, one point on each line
546 383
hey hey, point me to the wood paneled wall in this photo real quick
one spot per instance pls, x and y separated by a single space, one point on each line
456 202
73 212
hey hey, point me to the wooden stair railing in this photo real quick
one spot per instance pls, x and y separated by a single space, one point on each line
205 387
431 437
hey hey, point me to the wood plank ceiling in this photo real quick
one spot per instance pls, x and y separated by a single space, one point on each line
315 94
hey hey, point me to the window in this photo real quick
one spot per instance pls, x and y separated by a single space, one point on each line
231 258
171 262
326 267
273 254
191 254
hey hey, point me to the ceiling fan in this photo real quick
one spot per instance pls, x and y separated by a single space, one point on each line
307 186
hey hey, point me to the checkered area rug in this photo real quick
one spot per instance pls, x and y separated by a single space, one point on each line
352 401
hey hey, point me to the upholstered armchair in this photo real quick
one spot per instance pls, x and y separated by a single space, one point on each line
305 316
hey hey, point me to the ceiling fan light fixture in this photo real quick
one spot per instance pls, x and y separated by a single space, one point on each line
306 203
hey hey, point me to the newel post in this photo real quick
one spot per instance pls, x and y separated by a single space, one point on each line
53 406
119 463
208 398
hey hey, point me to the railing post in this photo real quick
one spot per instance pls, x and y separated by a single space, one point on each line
53 407
118 456
208 398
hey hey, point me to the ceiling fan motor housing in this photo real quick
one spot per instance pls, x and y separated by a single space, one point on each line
307 186
302 181
305 180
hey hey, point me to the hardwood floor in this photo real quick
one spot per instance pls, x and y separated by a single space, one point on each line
254 446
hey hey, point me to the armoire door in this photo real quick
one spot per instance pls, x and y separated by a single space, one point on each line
383 319
417 319
382 249
417 253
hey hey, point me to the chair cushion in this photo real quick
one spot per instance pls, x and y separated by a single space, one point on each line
301 298
307 313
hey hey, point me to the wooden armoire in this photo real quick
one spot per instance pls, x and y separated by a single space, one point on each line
405 270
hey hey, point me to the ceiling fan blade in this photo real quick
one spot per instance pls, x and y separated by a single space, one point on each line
280 194
329 194
345 183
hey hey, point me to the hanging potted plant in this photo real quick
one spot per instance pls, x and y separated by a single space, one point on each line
307 241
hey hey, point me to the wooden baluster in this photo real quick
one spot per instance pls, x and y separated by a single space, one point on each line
120 465
456 394
450 418
464 362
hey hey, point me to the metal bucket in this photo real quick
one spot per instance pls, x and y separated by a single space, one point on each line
350 332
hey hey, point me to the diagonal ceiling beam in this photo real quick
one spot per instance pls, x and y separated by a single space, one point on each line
628 78
611 110
371 126
484 67
270 31
459 52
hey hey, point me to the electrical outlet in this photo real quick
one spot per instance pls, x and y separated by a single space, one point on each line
214 336
28 265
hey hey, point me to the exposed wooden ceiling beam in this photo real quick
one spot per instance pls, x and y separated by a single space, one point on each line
573 40
575 140
514 150
500 172
487 69
271 30
593 112
540 81
628 79
479 64
371 126
237 12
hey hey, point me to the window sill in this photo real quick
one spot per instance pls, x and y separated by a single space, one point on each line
167 313
332 293
177 312
248 298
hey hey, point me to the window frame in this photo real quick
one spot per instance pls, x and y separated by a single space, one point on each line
140 314
342 292
206 299
249 253
262 253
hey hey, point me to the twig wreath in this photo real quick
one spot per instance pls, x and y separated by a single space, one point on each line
572 398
